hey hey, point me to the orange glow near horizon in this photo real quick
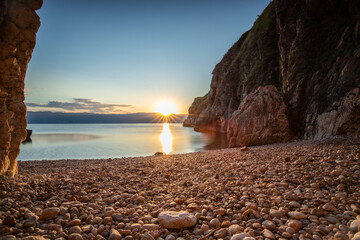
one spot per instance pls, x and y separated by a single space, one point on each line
166 108
166 139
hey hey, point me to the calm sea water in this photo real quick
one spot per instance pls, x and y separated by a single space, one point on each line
92 141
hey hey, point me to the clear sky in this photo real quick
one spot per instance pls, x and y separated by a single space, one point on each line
118 56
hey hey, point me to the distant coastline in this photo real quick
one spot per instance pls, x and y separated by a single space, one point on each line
67 118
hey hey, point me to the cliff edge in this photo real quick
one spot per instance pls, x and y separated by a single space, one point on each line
294 74
18 26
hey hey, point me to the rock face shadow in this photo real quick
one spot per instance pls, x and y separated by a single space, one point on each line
18 26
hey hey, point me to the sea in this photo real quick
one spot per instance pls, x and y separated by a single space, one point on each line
103 141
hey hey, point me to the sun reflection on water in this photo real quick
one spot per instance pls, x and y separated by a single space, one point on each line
166 139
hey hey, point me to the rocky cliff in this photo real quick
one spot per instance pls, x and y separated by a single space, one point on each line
294 74
18 26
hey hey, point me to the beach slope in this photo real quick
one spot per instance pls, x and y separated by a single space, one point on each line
299 190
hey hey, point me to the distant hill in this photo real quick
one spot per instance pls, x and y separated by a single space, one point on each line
59 117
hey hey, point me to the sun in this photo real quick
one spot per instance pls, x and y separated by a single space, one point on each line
166 108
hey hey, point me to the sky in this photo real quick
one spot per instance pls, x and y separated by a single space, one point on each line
126 56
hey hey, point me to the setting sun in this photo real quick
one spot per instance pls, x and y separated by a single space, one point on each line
166 108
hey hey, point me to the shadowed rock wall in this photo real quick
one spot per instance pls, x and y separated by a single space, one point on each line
18 26
307 53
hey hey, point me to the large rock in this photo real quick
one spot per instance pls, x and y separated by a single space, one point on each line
18 26
176 220
288 47
260 119
344 119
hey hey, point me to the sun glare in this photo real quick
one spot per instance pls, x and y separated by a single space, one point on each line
166 108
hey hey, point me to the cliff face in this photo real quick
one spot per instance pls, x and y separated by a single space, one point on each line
18 26
309 52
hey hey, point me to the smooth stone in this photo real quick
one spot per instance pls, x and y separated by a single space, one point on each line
107 220
329 207
97 220
286 235
114 235
320 212
221 233
220 211
75 236
151 227
295 224
135 225
235 228
30 221
268 234
332 219
355 226
240 236
269 224
340 236
176 220
8 237
170 237
75 222
215 223
356 236
49 213
75 229
296 215
275 213
125 232
192 206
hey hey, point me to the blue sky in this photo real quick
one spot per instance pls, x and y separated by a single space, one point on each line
119 56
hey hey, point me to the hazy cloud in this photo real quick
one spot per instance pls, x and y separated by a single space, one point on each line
81 105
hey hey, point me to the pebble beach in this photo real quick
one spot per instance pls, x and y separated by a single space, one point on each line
298 190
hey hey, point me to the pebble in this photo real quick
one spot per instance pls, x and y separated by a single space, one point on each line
31 221
240 236
151 227
125 232
49 213
297 225
107 220
75 236
215 223
221 233
355 226
75 222
268 234
296 215
312 196
269 224
170 237
275 213
114 235
175 220
75 229
329 207
9 220
235 228
356 236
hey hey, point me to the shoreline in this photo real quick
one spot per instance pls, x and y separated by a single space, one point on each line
298 190
330 140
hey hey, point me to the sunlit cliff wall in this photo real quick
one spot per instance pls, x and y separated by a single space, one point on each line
294 74
18 26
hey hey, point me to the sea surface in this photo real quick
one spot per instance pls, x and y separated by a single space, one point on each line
94 141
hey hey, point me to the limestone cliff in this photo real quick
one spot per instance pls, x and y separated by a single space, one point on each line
307 53
18 26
